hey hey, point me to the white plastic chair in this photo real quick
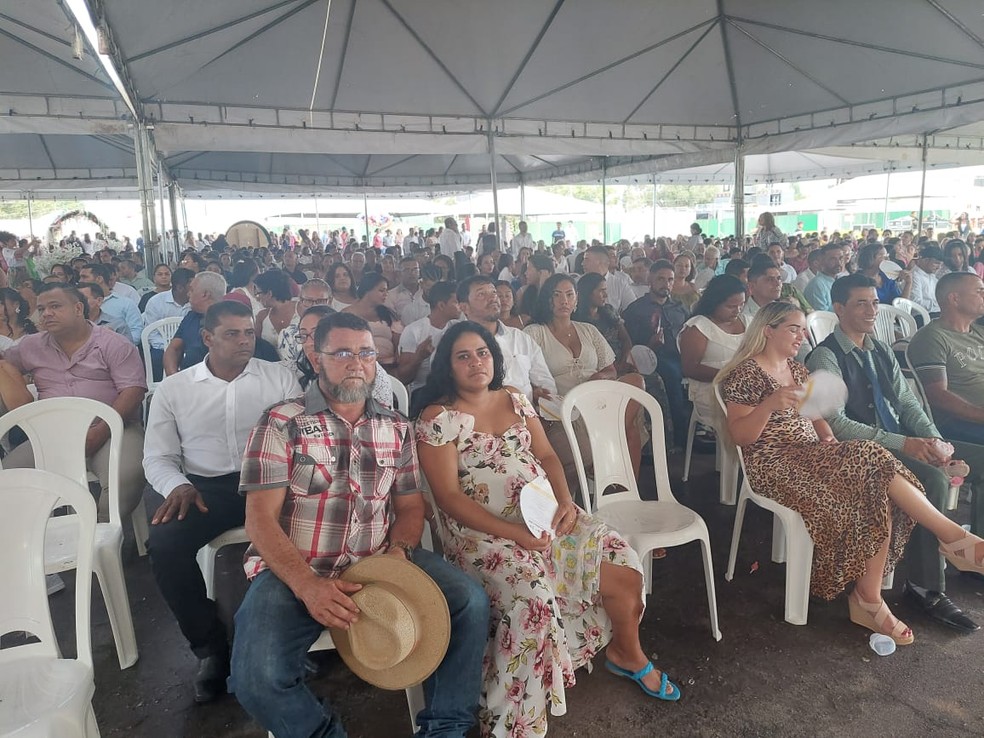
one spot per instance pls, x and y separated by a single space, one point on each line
725 461
893 324
819 325
646 525
166 327
401 398
913 308
42 693
56 429
791 543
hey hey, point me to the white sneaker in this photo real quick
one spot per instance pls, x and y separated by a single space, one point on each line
55 583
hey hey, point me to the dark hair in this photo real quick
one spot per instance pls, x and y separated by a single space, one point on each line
346 321
840 290
866 255
948 283
94 288
34 284
585 286
465 286
22 312
761 263
734 267
222 308
308 374
101 271
719 289
542 263
195 257
71 291
276 282
440 292
332 274
181 276
243 272
660 264
445 259
542 310
440 382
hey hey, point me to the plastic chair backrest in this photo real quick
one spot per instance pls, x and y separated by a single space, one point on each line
724 409
401 398
27 497
890 269
819 325
56 429
913 308
602 404
167 327
892 321
920 392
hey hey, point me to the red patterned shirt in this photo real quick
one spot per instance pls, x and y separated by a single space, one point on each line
339 477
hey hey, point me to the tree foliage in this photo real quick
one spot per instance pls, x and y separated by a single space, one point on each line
16 209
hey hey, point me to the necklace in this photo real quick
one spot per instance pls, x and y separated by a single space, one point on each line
568 334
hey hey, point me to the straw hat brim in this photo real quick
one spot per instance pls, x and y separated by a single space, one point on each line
421 594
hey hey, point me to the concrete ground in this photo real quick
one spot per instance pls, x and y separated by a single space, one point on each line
764 678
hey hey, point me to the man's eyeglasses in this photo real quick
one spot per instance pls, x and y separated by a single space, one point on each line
315 300
366 356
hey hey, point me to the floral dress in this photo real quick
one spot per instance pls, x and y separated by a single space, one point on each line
547 615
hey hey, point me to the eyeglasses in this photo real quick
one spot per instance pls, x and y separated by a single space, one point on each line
315 301
302 338
366 356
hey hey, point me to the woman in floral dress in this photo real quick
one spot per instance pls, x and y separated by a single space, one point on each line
555 603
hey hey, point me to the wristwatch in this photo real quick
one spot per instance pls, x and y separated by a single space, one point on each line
404 546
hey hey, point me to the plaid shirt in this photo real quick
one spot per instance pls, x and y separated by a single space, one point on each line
339 478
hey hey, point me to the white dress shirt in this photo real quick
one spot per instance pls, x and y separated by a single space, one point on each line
520 241
620 292
162 306
803 279
924 289
199 424
408 306
788 273
413 335
126 292
450 242
525 366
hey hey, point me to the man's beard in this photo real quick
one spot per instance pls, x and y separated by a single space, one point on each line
348 391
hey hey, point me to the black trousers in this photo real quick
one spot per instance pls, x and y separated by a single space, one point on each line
173 547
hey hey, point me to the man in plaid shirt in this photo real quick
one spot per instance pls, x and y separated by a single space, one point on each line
331 478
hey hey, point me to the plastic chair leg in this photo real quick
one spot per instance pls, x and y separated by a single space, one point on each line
779 541
108 567
91 727
415 701
729 472
736 535
206 562
691 431
888 581
705 549
799 568
141 532
647 570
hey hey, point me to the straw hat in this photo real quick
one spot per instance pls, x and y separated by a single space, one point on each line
404 625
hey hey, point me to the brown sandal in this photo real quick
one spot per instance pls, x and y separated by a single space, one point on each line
874 615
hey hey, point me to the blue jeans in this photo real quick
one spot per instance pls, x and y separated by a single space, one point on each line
669 368
961 430
268 662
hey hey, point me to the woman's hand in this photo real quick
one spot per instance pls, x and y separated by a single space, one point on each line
527 540
565 518
785 398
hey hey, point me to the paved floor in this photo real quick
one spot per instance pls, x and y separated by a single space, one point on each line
765 678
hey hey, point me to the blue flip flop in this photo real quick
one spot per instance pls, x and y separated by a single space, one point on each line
636 676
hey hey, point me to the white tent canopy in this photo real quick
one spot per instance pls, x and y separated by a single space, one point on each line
410 96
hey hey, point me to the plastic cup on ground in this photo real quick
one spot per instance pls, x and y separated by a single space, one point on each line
881 644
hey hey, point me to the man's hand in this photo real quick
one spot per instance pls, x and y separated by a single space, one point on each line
328 602
924 450
539 392
96 437
179 501
425 348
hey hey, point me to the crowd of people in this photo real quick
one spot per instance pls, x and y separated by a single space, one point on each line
273 410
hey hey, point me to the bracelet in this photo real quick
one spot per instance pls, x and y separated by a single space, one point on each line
403 546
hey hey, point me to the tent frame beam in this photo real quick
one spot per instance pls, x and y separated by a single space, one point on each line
341 64
529 55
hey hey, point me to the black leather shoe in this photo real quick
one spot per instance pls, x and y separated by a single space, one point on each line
940 608
210 681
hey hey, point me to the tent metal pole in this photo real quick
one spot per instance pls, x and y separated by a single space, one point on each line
604 200
172 195
30 216
152 251
495 189
365 211
317 218
739 195
654 208
888 180
922 190
160 194
184 211
522 200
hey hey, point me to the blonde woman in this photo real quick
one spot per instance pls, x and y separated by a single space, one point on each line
858 501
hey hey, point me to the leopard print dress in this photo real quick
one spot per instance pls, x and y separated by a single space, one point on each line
840 489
